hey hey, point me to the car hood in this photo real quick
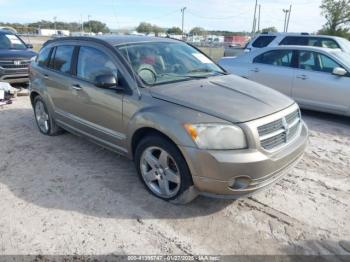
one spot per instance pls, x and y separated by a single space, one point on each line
16 54
230 97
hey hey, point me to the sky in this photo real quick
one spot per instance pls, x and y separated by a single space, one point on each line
231 15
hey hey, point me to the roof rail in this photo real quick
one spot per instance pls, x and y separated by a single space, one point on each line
305 33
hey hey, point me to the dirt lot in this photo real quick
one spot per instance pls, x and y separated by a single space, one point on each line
65 195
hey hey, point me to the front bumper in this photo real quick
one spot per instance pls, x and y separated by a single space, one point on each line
215 172
18 75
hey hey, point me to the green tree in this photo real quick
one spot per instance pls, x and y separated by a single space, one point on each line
197 31
271 29
337 14
174 31
145 28
157 30
96 26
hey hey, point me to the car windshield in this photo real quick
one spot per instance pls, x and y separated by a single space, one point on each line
343 57
165 62
10 41
345 44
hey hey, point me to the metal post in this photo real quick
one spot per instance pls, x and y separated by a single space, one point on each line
183 20
259 18
254 19
285 11
290 11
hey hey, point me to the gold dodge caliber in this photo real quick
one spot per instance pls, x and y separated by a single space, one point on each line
189 126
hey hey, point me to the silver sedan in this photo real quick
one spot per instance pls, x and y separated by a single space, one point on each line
317 78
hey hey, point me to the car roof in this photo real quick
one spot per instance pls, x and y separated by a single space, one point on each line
298 47
5 31
296 34
116 40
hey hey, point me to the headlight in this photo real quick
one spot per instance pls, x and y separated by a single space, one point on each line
216 136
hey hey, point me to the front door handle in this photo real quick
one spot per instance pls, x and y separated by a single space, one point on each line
46 76
76 87
303 77
256 70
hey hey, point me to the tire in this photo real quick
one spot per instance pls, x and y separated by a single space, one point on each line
170 169
44 120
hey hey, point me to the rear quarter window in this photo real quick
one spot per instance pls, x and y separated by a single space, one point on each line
263 41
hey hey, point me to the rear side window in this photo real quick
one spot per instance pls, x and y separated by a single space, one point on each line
310 41
44 57
263 41
294 40
276 58
92 63
63 59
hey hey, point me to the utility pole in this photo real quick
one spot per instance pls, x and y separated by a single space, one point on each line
183 20
89 17
81 23
55 19
290 11
285 11
254 19
259 18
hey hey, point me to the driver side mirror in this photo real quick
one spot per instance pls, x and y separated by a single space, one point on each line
30 46
108 82
338 71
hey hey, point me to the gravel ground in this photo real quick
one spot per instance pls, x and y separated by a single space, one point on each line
65 195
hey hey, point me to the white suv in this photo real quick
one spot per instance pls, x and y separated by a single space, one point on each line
301 39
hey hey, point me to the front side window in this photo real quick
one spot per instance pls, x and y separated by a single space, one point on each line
92 63
276 58
313 61
327 64
263 41
44 57
63 58
10 41
164 62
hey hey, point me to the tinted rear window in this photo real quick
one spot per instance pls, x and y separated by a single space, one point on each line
263 41
63 58
310 41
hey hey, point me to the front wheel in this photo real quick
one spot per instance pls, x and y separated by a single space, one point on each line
163 170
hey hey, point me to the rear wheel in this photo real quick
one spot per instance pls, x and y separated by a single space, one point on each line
163 170
44 121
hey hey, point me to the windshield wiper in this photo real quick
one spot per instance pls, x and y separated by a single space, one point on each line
184 76
206 70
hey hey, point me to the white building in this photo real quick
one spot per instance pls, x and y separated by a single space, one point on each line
51 32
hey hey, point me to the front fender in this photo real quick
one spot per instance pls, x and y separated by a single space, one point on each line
169 119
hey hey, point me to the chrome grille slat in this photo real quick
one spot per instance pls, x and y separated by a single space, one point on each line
277 133
10 64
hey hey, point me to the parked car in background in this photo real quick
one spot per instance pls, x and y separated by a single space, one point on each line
188 126
317 78
15 56
302 39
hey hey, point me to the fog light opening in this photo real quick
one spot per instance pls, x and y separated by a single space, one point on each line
241 183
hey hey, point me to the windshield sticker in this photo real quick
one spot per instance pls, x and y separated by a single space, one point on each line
202 58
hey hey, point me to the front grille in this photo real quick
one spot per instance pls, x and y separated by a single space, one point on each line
13 64
280 131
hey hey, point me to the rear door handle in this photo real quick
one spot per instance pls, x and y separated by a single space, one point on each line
46 76
76 87
256 70
303 77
